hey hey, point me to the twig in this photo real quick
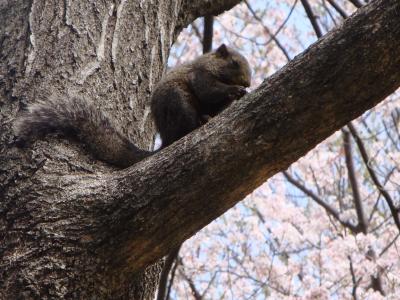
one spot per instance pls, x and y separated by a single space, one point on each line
329 209
338 8
283 23
266 29
171 257
171 281
312 18
362 221
208 33
195 293
353 278
356 3
393 209
389 245
376 280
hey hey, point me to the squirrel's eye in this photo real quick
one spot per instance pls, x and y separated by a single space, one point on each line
235 63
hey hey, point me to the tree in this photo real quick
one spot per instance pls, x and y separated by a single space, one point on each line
73 228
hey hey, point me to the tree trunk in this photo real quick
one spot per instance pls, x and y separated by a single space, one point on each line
72 227
112 53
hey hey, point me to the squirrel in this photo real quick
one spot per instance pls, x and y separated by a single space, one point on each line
182 101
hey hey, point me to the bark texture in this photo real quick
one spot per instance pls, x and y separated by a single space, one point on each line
111 52
74 228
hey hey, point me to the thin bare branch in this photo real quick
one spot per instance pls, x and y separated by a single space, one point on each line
356 3
332 17
353 279
395 116
267 31
208 33
393 209
338 8
172 277
328 208
362 221
196 31
169 260
195 293
274 35
376 279
389 245
311 17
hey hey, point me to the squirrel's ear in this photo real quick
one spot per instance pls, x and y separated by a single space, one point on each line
222 51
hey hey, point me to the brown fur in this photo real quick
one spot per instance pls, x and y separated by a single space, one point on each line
183 100
78 119
188 95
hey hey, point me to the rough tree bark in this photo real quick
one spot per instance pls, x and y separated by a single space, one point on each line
75 228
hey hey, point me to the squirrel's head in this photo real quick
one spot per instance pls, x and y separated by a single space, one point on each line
232 67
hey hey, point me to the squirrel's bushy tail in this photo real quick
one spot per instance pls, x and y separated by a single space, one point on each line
74 117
